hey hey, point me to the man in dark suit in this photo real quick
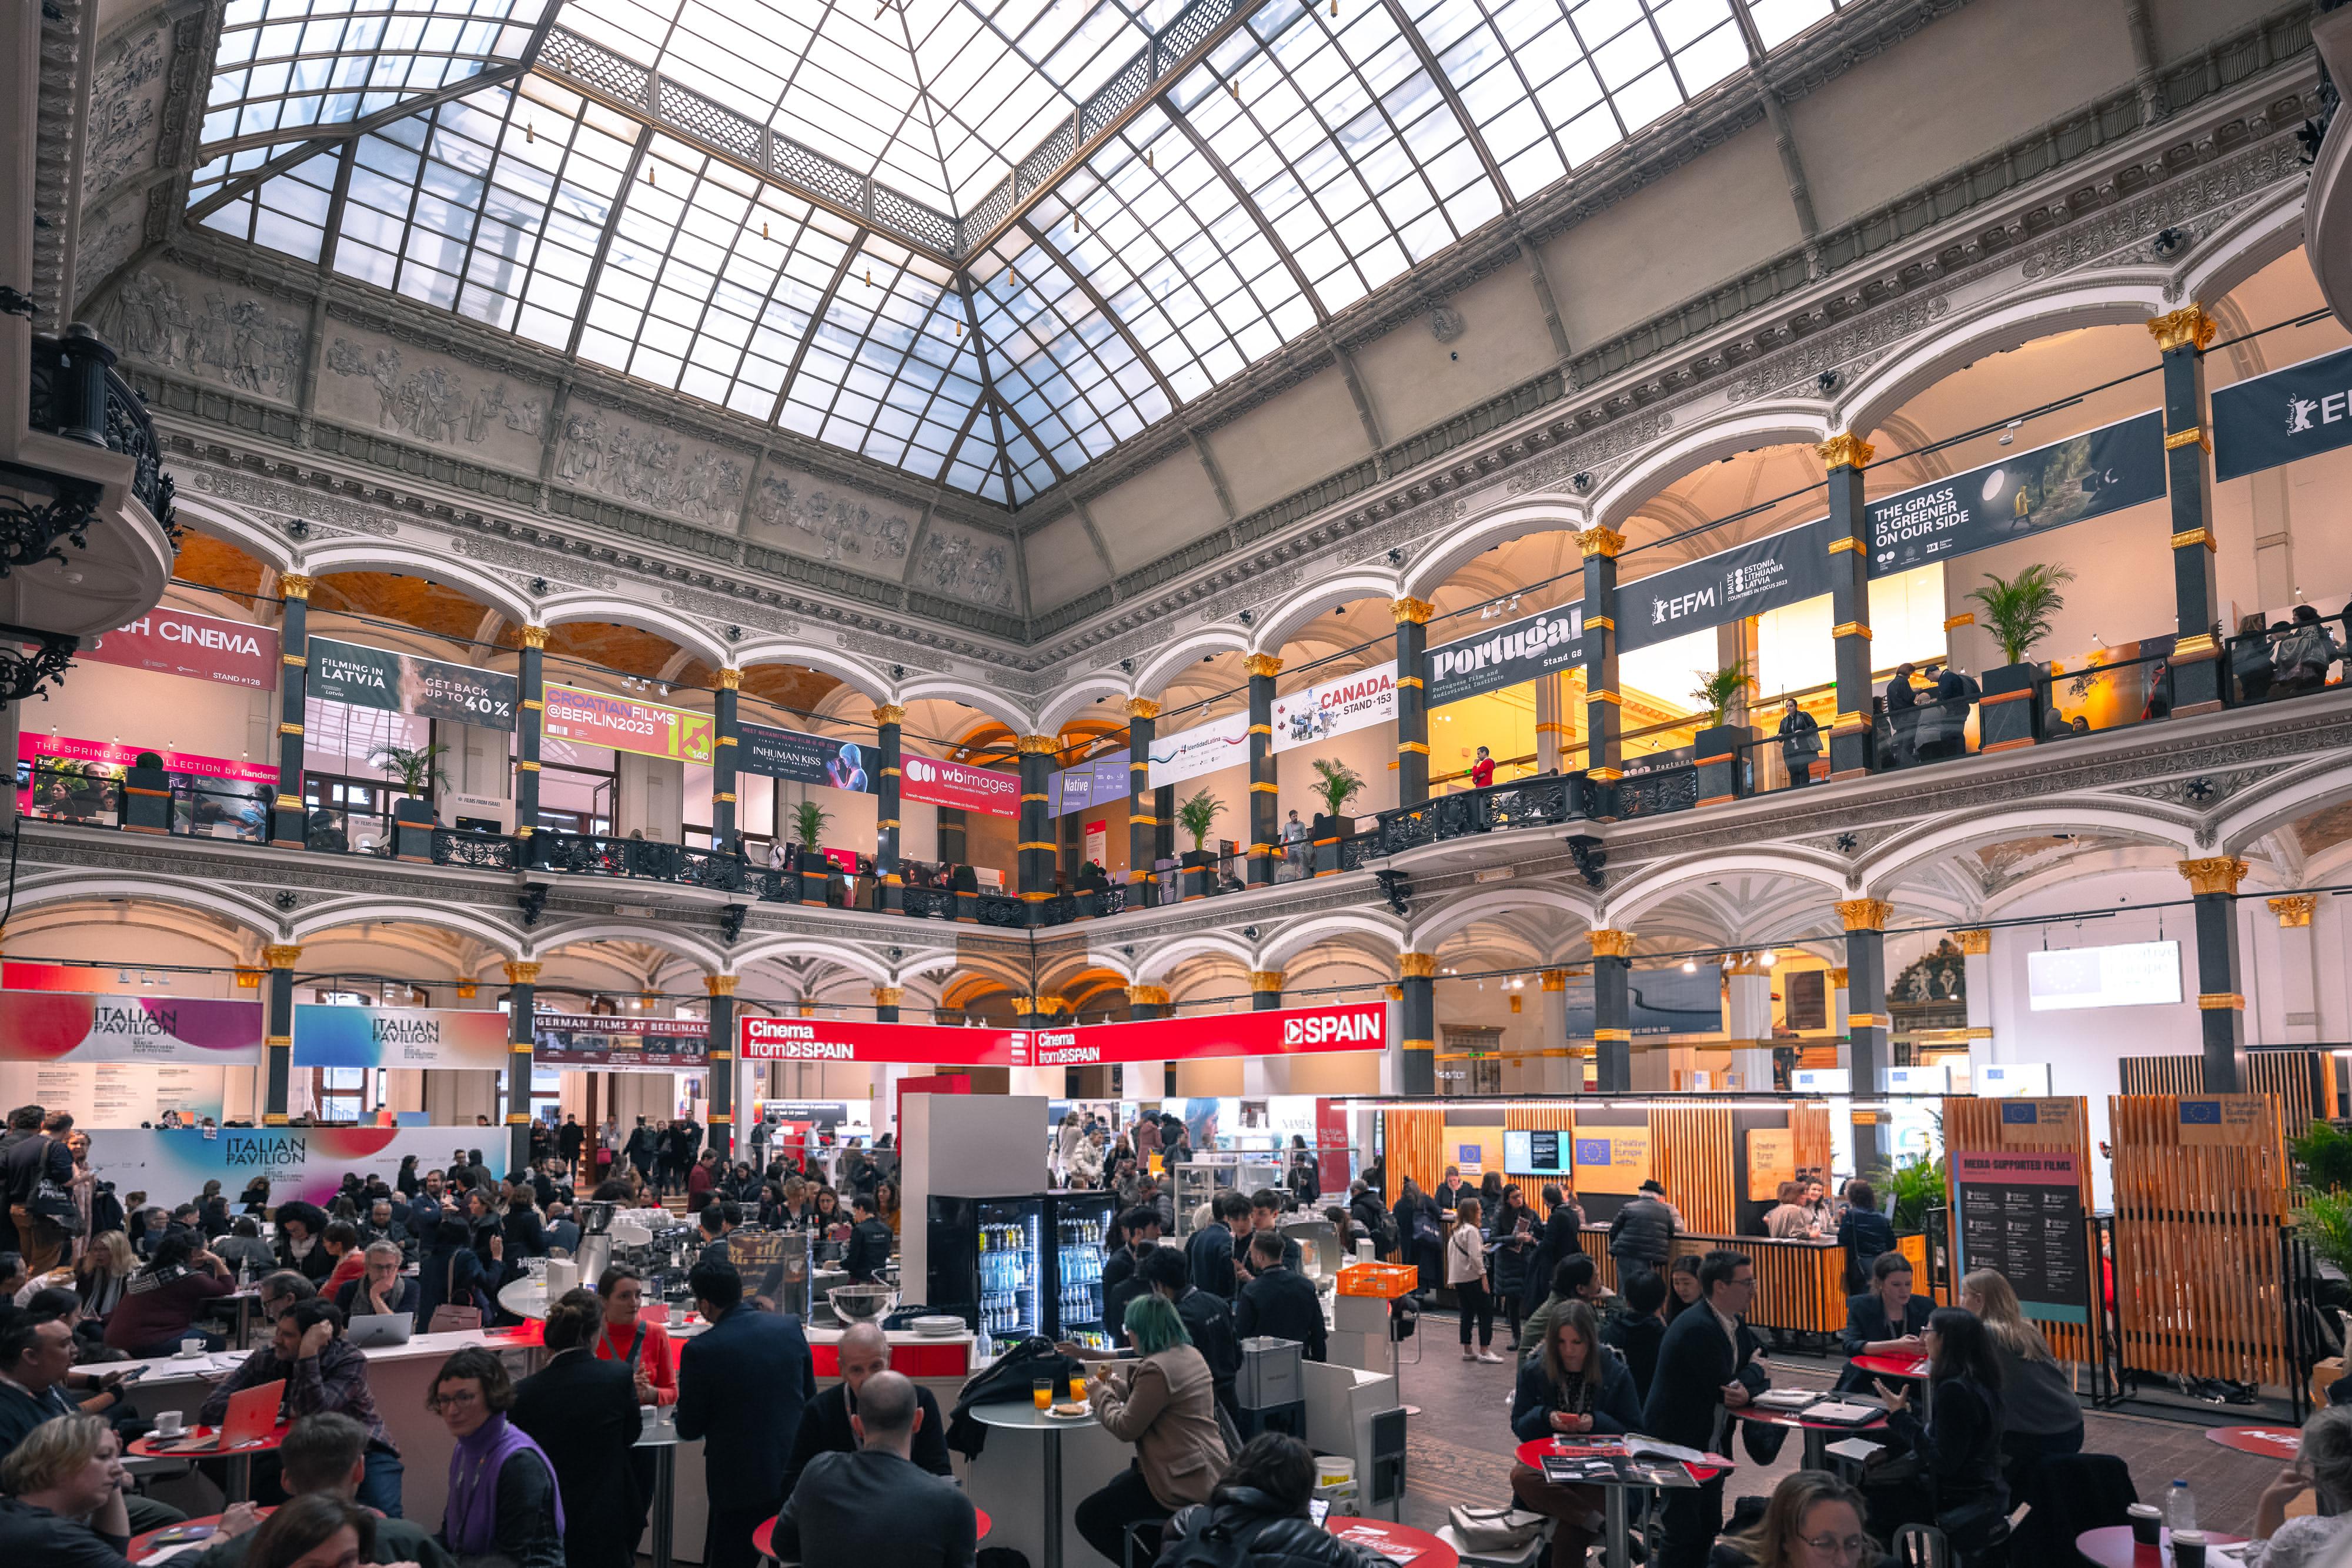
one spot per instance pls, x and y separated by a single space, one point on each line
1279 1301
1122 1274
875 1506
742 1386
826 1428
582 1411
1705 1370
1210 1249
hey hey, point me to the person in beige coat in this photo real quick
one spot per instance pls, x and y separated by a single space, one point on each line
1165 1404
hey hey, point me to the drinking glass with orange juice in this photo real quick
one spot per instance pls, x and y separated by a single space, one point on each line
1078 1388
1041 1392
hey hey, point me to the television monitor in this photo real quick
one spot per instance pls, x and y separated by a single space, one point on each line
1535 1153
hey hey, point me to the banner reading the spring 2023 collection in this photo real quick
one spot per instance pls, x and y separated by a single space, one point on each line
302 1164
623 723
2070 481
403 683
78 1026
332 1036
799 758
1782 569
2298 412
1542 644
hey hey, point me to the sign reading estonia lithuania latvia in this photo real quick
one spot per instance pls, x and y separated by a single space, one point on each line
1288 1031
2298 412
202 647
336 1036
648 729
403 683
71 1025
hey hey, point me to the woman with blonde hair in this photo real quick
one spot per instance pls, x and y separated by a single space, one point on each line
1465 1276
64 1486
1814 1519
2041 1418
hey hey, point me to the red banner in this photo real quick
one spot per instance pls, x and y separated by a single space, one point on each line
964 788
203 647
1288 1031
831 1039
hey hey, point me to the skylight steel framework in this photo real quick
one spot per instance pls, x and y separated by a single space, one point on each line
817 216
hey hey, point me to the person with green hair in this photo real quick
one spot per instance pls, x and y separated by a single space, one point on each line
1164 1404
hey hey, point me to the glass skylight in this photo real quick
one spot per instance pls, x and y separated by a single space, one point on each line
1311 157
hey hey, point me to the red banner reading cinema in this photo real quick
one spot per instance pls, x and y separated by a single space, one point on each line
1288 1031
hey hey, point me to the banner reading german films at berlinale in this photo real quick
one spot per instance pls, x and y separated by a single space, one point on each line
332 1036
403 683
583 1040
1542 644
623 724
77 1026
182 643
304 1164
1288 1031
2298 412
802 759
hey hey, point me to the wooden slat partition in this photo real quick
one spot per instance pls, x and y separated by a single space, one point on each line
1810 1123
1693 1152
2199 1286
1414 1143
2304 1081
1799 1285
1974 1125
1536 1118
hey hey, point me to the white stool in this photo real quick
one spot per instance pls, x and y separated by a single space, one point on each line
1525 1557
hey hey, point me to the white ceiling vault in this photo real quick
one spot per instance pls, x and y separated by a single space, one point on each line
984 242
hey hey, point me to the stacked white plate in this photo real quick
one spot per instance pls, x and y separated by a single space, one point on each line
939 1327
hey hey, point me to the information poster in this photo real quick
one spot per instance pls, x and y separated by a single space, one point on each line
1612 1159
2223 1119
1771 1160
2038 1121
575 1040
336 1036
2022 1213
76 1026
404 683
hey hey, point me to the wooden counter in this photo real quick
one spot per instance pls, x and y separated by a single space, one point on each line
1799 1285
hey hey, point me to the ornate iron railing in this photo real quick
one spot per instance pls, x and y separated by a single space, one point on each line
479 852
76 394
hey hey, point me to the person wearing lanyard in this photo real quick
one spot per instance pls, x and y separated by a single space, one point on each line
1705 1370
1574 1385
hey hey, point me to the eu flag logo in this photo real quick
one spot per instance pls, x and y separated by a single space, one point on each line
2013 1114
2200 1113
1593 1151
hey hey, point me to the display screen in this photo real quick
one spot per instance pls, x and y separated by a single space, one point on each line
1534 1153
2137 974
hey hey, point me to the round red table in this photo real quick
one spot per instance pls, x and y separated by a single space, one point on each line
180 1446
1532 1456
1914 1367
2263 1442
1432 1552
2115 1548
1818 1435
143 1544
764 1537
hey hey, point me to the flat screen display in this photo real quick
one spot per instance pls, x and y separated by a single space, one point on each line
2139 973
1534 1153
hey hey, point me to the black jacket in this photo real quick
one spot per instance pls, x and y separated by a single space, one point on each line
869 1250
1865 1235
1367 1212
583 1413
825 1429
1637 1340
872 1508
1614 1408
1281 1304
1563 1237
1643 1230
1209 1319
1120 1285
1271 1540
748 1442
1866 1322
1209 1251
1695 1360
1959 1445
29 1534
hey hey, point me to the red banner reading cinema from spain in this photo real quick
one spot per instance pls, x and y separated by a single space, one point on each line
1288 1031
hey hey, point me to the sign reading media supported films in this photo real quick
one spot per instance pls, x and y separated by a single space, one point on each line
2298 412
403 683
2020 1211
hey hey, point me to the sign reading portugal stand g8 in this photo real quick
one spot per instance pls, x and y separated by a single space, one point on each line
1289 1031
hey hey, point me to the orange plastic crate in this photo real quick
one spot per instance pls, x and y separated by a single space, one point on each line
1387 1280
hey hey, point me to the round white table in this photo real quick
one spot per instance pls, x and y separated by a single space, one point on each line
1025 1417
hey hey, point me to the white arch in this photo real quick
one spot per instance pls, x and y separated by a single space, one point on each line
986 700
77 885
854 960
1154 966
868 681
691 635
2300 791
1744 427
1476 537
1065 704
2042 310
1655 884
2246 244
673 938
1152 676
1886 866
455 918
383 555
224 520
1384 931
1278 624
1460 914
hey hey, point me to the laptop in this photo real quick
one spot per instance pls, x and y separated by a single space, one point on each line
252 1415
372 1331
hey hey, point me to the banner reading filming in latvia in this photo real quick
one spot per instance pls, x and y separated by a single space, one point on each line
334 1036
73 1026
1540 644
403 683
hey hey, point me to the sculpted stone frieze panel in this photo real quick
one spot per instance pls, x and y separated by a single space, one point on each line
126 100
371 379
795 511
965 563
213 331
286 500
632 460
557 570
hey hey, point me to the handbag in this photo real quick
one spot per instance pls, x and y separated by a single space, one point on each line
1494 1529
449 1317
56 1205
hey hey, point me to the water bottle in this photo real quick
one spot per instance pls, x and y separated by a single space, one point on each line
2181 1508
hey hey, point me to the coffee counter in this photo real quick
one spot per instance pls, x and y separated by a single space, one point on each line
1799 1285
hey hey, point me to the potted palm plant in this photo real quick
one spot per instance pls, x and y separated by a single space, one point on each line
1196 815
809 821
417 770
1336 784
1719 748
2017 612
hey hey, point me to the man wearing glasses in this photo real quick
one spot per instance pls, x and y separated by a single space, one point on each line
1707 1370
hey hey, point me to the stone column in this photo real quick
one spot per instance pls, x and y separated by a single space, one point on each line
1613 1001
721 1045
1866 1023
277 1043
1564 1073
1417 1064
1976 990
1413 698
1748 1022
2298 967
2221 1001
1142 820
2201 673
1263 818
287 817
1266 990
1551 731
725 744
1851 735
530 675
1035 852
889 887
1604 751
886 1003
1146 1002
1145 1079
523 981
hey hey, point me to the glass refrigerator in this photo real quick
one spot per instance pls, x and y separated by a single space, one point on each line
1079 1223
988 1260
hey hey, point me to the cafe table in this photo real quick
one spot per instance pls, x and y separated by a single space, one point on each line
2263 1442
1026 1418
2114 1547
205 1443
1615 1543
144 1543
1818 1435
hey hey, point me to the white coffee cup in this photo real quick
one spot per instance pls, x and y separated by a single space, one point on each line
192 1347
170 1423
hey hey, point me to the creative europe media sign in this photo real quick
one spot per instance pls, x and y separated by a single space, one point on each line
201 648
1289 1031
623 724
404 683
335 1036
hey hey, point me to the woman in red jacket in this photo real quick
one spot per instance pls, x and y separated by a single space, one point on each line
630 1337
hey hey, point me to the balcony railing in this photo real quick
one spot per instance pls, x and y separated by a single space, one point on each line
76 394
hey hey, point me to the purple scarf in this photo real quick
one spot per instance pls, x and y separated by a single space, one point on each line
470 1520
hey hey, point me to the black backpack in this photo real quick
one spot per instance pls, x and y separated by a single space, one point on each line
1214 1544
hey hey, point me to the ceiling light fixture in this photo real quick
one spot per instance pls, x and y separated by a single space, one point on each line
1690 965
529 134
